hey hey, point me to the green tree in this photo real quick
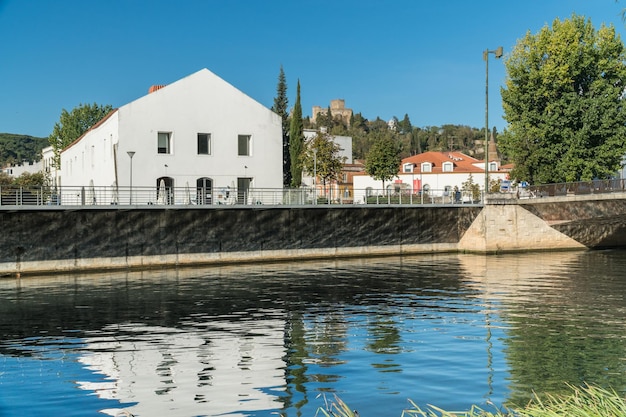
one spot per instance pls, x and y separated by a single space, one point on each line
31 180
471 189
281 103
404 126
383 159
296 141
72 125
321 157
5 179
15 149
563 101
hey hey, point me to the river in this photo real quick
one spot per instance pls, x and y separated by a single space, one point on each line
282 339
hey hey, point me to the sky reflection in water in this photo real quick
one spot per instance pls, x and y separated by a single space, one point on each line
262 340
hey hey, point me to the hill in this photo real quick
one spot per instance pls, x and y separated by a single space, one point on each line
15 148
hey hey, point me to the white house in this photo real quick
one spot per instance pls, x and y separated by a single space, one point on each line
198 134
15 170
437 174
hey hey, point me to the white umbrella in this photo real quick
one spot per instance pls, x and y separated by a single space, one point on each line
92 192
161 198
187 193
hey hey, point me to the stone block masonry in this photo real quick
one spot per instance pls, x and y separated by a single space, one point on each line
54 239
45 239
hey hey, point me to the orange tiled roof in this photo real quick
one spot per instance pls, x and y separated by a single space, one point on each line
462 162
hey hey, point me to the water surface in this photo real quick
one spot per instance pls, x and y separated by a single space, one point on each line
267 340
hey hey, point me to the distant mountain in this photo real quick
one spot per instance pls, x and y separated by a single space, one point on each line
15 148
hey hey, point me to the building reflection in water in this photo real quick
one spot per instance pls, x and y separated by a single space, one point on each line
215 369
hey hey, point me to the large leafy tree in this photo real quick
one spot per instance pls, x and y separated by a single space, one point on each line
321 157
296 141
281 103
72 125
383 159
564 104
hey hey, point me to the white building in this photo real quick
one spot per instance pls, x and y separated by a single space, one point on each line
205 371
436 174
15 170
199 133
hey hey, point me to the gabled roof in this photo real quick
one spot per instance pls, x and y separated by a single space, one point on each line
462 163
104 119
160 88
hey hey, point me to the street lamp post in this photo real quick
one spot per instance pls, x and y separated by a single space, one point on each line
315 174
131 154
498 54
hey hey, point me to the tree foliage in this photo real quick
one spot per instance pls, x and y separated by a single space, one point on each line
31 180
25 180
15 149
281 104
72 125
321 157
296 141
563 101
383 158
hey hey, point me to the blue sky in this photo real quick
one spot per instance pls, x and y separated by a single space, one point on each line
385 58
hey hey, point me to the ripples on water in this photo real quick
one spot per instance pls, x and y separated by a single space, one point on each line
266 340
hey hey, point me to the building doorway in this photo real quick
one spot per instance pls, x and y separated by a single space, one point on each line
243 190
165 187
204 190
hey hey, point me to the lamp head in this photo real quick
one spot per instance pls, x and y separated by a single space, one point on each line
499 52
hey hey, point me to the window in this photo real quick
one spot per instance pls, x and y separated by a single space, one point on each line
164 142
408 168
447 167
427 167
204 144
243 145
493 166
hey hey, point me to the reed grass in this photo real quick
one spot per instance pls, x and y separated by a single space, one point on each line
585 401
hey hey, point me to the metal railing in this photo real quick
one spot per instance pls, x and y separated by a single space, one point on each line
187 196
574 188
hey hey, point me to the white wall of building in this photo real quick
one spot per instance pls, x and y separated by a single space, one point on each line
16 170
199 103
437 183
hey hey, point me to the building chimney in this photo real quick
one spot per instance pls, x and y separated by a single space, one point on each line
154 88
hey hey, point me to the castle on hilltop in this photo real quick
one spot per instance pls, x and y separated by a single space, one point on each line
337 109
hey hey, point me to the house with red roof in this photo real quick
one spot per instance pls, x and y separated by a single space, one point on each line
436 175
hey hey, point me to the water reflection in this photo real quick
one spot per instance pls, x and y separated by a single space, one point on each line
565 317
451 330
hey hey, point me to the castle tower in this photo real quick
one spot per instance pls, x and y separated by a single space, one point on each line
492 150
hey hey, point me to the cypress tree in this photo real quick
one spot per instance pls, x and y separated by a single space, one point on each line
281 103
296 141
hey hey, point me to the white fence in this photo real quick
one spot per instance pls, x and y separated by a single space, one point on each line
187 196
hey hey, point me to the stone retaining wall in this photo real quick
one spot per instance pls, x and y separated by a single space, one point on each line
53 239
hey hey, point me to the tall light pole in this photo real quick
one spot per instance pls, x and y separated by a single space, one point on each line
131 154
315 174
498 54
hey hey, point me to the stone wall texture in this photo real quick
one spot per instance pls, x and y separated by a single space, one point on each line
47 240
51 239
